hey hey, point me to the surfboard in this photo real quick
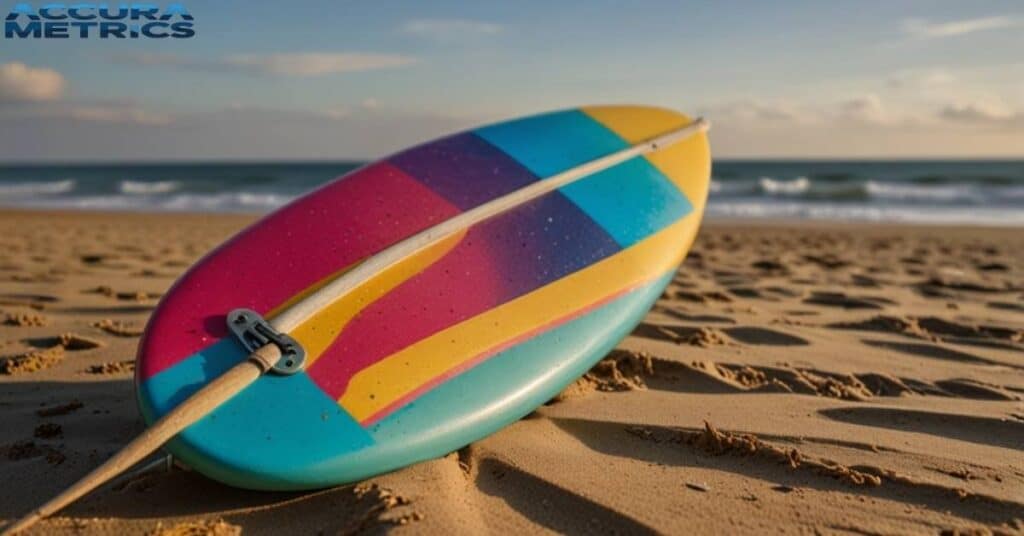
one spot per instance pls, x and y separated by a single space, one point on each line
453 342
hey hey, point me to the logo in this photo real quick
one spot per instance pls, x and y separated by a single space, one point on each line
103 21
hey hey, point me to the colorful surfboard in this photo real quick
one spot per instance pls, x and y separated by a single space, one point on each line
452 343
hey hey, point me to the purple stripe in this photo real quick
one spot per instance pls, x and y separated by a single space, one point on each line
464 169
542 241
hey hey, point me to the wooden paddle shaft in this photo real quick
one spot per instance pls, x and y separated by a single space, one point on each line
188 412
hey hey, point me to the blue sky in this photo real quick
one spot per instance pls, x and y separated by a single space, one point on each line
335 80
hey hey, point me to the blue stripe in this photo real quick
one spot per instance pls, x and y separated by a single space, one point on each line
550 143
630 201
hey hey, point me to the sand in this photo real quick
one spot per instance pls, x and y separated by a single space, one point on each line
805 378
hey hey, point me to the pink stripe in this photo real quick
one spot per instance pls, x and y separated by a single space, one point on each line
460 285
288 251
491 352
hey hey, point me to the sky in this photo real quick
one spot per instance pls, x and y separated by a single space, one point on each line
337 80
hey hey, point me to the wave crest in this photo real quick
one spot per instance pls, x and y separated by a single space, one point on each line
148 187
18 189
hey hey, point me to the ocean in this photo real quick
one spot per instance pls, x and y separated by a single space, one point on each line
960 192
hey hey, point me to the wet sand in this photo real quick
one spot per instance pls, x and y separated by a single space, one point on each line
805 377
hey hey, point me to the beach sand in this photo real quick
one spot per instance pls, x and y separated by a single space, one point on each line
797 377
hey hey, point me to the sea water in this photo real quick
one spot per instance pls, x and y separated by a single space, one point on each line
932 191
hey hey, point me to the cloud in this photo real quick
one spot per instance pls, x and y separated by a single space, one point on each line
19 82
449 29
38 93
93 111
302 64
752 110
366 108
924 29
118 114
867 108
239 132
981 113
316 63
921 79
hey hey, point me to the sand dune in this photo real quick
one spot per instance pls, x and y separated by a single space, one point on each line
807 378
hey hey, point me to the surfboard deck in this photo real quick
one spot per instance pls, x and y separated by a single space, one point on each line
451 344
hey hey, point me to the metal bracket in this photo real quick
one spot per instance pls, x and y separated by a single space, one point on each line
254 333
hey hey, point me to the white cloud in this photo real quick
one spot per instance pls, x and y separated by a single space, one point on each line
340 112
867 108
153 59
113 112
239 132
316 63
37 92
301 64
19 82
118 114
449 29
979 113
924 29
758 111
921 79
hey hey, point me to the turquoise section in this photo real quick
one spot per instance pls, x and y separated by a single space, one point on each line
282 433
630 201
276 434
553 142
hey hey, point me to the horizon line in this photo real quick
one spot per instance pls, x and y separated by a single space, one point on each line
362 161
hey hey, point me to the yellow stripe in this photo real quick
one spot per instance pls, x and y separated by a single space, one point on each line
388 380
317 333
687 163
310 289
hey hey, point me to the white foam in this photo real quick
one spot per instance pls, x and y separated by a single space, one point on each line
19 189
147 188
1004 216
797 186
913 192
222 202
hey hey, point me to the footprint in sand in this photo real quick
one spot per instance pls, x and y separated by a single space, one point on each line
933 351
938 329
118 328
1006 306
694 336
698 318
842 300
32 361
764 336
25 320
982 430
624 370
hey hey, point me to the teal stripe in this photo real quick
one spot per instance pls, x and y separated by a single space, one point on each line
631 201
550 143
275 434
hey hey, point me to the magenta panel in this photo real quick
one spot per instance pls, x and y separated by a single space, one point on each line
287 252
